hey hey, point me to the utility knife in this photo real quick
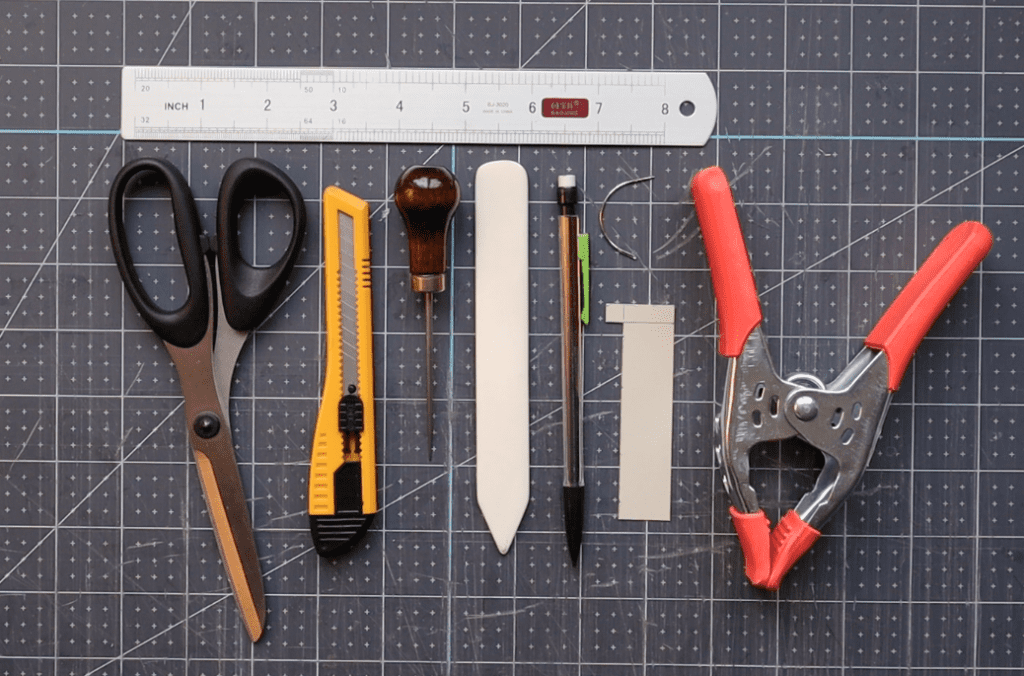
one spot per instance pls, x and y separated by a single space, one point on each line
343 463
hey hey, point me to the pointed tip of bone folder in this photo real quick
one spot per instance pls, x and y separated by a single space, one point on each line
503 541
502 525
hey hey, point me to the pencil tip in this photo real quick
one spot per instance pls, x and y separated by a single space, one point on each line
572 510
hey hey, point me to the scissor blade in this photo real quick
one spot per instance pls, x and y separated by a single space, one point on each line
225 354
222 487
221 481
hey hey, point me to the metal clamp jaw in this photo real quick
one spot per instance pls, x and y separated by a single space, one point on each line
841 419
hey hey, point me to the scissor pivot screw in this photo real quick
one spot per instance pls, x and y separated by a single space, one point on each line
207 425
805 408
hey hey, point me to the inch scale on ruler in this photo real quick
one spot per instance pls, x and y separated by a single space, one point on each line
375 105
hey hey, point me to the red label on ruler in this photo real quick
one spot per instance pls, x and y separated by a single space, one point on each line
565 107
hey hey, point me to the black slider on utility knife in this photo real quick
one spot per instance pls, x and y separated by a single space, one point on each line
343 467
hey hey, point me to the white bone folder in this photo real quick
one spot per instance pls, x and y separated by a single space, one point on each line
502 348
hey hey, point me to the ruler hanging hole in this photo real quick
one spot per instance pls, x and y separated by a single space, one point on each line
687 108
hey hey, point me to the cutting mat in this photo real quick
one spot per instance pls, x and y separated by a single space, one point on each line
857 136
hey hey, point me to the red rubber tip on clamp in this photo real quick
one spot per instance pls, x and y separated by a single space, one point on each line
755 541
790 540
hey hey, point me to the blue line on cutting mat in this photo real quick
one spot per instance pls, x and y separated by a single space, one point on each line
89 132
714 137
450 455
787 137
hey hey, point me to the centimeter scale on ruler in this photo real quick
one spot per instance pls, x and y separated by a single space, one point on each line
659 108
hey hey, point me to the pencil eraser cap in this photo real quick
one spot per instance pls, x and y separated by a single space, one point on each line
567 181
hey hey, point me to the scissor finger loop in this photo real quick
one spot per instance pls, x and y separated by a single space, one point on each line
185 325
249 291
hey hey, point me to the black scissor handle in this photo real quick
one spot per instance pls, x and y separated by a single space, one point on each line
186 325
249 292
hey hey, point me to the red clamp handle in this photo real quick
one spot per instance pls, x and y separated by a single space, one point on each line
911 315
755 542
739 309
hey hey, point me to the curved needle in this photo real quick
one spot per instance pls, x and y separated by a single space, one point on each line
600 215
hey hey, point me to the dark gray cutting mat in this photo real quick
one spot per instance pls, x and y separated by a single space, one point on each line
857 135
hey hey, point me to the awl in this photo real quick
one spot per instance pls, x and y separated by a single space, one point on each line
426 198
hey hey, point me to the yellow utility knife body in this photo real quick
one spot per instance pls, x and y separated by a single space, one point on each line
343 467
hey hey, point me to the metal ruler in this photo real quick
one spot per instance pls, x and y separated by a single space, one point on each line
373 105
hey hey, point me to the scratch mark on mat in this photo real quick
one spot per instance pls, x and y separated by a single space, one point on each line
554 35
24 446
503 613
117 467
53 245
430 481
686 551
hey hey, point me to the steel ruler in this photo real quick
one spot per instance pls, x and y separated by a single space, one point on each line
375 105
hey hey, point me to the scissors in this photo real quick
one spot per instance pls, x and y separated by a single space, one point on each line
205 344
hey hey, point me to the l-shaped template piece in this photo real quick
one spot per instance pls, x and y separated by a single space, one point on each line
645 436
